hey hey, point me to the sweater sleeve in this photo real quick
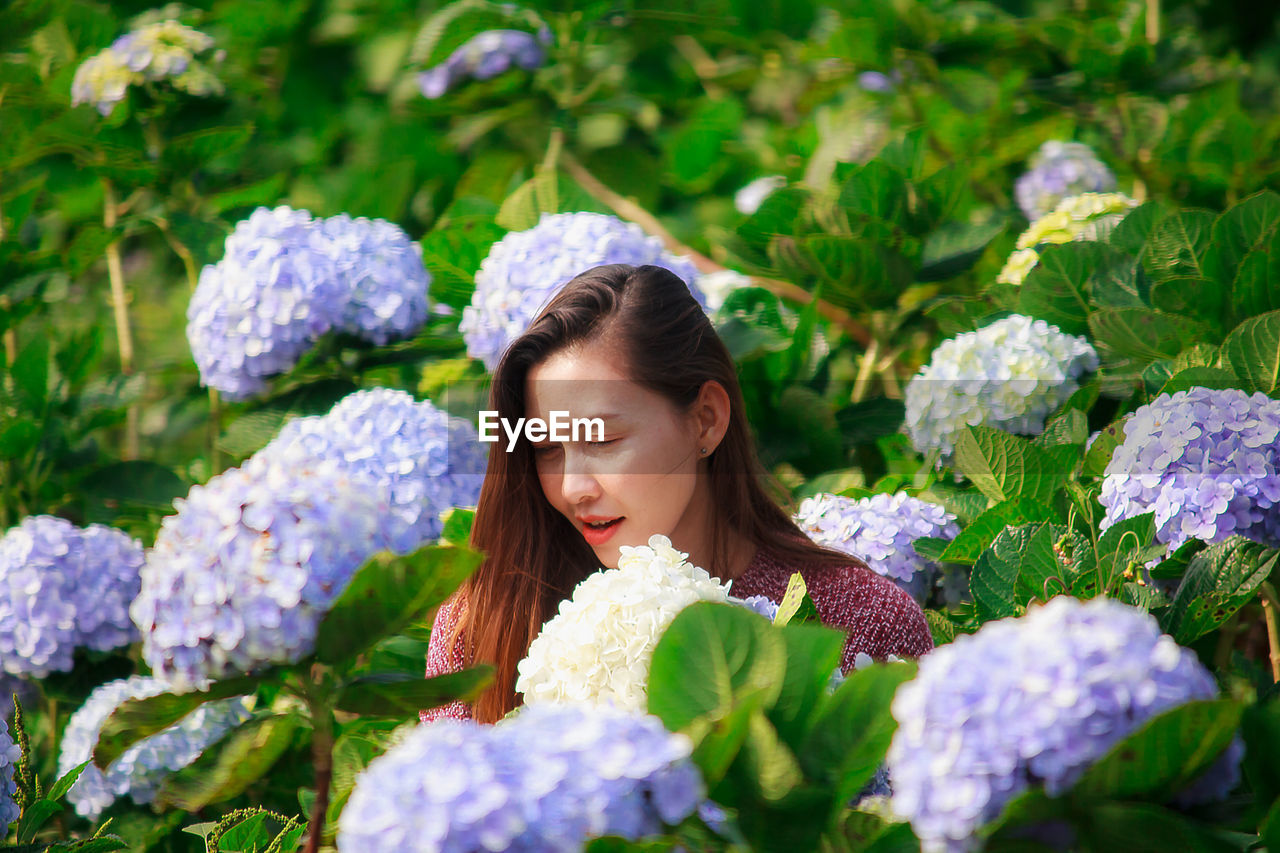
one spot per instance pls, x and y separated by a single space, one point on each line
878 617
441 660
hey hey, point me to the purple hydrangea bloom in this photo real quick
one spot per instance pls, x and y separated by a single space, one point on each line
1206 462
762 605
1059 170
1033 701
423 460
64 587
1009 375
10 754
286 279
483 56
165 50
880 530
547 779
526 268
141 769
242 575
878 81
383 277
255 312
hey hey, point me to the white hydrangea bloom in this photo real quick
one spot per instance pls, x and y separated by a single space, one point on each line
1089 216
1009 375
717 286
598 647
748 199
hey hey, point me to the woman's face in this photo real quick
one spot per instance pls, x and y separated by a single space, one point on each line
643 475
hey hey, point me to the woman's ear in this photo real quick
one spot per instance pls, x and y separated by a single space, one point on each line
711 413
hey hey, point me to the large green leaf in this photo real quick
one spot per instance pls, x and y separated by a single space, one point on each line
1142 333
994 580
976 536
1005 467
813 653
228 767
710 657
1146 828
138 482
1056 290
1260 728
1257 285
1217 583
1253 349
1175 258
1246 227
388 593
694 152
403 695
1098 456
1165 754
851 734
136 719
1121 544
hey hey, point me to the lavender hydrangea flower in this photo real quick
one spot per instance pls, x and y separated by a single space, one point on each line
762 605
10 754
255 312
483 56
64 587
1009 375
1206 462
748 199
165 50
1059 170
241 576
141 769
1032 701
424 460
526 268
384 281
548 778
286 279
880 530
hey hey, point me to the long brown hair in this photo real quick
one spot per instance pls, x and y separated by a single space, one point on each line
533 555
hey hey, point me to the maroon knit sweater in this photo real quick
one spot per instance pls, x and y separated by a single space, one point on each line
877 617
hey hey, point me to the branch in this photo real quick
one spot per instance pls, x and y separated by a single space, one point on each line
629 210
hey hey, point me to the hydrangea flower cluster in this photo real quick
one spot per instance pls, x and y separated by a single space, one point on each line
748 199
1089 216
242 574
1206 462
10 755
1009 375
141 769
880 530
598 646
486 55
1033 701
161 51
525 269
285 279
423 459
1060 170
548 778
62 588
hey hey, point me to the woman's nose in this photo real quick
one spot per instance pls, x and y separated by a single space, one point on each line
579 485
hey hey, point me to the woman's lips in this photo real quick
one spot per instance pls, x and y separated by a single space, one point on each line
600 535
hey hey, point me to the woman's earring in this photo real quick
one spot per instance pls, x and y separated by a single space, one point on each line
704 451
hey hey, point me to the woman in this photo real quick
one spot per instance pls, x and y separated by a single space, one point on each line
632 346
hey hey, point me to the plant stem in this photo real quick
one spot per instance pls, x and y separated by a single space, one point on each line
322 762
120 307
865 369
628 209
1270 606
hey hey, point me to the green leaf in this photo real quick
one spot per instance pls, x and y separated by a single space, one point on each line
1122 543
64 783
770 764
1132 233
850 736
404 695
1164 754
1143 334
1260 729
19 439
1005 467
1199 377
941 627
1056 290
955 247
710 659
136 482
228 767
868 420
388 593
694 151
250 432
30 371
1257 286
1069 428
993 582
1175 259
136 719
1043 572
457 526
813 653
975 537
796 603
1246 227
33 817
875 190
1099 453
1253 350
1145 828
452 254
545 192
1219 581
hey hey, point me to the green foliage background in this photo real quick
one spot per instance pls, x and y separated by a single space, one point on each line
897 216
